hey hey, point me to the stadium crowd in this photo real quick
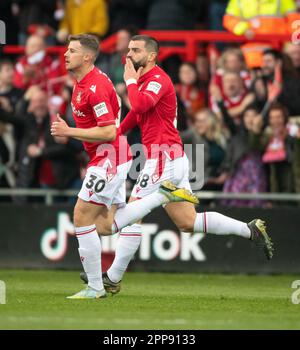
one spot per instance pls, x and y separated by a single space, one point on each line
244 109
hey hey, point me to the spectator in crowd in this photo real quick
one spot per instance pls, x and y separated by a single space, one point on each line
243 170
83 16
36 67
16 117
113 64
9 98
206 130
9 95
123 13
259 17
232 60
288 82
203 69
44 161
277 146
293 51
235 97
188 89
34 17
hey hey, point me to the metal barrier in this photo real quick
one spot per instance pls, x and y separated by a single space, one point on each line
50 194
189 42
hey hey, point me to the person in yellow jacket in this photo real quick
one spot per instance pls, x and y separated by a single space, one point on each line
244 17
83 16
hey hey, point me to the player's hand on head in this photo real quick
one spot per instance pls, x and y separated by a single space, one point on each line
59 127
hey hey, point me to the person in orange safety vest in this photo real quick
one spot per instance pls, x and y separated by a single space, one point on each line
244 17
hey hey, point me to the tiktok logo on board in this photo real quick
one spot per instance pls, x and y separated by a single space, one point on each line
54 242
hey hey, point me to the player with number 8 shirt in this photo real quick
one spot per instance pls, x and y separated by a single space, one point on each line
153 108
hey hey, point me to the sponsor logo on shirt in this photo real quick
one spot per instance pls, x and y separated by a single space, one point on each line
93 88
100 109
154 87
77 111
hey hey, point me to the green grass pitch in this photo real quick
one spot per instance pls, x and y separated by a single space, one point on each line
36 300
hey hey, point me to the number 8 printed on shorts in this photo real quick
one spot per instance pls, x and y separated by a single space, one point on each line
143 180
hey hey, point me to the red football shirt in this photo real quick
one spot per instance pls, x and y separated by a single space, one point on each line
95 103
154 110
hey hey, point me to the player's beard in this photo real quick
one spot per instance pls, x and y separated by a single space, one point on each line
140 63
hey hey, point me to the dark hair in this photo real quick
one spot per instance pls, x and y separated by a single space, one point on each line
275 53
194 68
151 43
279 107
4 61
88 41
252 107
287 64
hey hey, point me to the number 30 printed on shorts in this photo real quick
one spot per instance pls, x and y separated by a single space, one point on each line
94 184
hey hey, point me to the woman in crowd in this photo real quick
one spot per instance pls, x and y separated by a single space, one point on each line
206 130
189 90
243 169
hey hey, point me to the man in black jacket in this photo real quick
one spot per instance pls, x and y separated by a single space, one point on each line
44 161
289 93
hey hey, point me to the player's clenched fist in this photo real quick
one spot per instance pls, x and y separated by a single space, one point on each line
59 127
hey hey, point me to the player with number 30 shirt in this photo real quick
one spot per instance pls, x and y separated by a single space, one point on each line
101 206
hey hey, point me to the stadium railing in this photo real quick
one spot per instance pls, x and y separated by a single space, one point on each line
188 48
48 195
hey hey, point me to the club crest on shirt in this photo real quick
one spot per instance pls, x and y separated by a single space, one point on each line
78 98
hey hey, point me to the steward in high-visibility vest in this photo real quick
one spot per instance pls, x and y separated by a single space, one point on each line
244 17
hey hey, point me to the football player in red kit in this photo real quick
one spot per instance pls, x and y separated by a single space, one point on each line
101 206
153 108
